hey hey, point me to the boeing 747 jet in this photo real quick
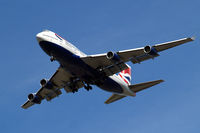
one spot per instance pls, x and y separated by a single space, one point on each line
108 71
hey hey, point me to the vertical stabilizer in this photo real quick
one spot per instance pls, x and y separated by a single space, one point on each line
125 75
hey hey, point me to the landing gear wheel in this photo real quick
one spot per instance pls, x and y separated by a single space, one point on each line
88 87
74 90
52 59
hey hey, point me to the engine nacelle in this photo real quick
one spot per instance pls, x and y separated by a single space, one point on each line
43 82
33 98
112 56
150 50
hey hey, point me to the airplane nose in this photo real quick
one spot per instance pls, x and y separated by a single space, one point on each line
39 37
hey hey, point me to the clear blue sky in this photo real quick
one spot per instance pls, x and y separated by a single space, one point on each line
98 27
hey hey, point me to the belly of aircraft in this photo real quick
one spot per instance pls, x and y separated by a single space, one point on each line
73 64
111 85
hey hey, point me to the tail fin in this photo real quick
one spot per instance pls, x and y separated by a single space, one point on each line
125 75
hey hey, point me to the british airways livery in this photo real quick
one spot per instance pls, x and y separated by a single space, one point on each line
108 71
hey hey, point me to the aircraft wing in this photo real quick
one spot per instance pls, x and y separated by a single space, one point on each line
100 61
61 79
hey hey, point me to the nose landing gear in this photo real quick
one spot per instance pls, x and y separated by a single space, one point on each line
52 59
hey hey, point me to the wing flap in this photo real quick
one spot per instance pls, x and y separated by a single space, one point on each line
110 70
102 64
139 59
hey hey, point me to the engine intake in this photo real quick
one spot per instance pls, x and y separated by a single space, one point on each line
150 50
34 98
112 56
43 82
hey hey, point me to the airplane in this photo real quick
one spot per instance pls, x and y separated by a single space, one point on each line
108 71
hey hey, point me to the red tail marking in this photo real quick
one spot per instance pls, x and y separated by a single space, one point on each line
123 78
127 71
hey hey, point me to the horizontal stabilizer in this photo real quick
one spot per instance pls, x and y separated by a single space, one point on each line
139 87
114 98
135 88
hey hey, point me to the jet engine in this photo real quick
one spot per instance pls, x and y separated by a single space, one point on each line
34 98
43 82
112 56
150 51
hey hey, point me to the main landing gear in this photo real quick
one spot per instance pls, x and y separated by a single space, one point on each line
74 90
88 87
